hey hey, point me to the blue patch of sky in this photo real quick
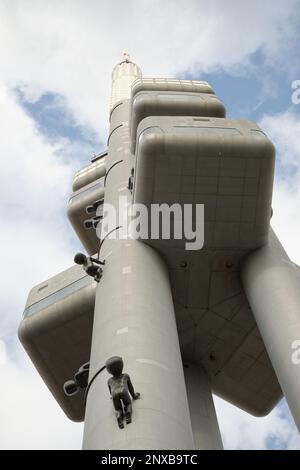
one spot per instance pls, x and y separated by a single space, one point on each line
273 442
54 121
248 91
255 89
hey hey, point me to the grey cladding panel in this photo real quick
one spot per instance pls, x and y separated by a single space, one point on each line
168 103
56 332
227 165
170 84
90 173
77 214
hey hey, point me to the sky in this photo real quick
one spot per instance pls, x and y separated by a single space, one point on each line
56 60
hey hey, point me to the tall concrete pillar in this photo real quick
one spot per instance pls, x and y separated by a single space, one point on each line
272 284
204 420
134 318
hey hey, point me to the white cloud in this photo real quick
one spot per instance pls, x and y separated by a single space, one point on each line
70 47
243 431
283 129
30 417
35 181
36 242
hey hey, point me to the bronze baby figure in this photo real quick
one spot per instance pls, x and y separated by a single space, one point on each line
120 388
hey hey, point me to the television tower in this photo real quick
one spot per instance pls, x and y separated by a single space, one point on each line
224 318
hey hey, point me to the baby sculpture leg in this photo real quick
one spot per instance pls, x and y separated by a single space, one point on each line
119 410
127 406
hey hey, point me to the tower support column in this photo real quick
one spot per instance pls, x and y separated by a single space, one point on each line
271 283
204 420
134 319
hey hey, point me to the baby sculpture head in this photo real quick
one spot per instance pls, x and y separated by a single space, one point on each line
114 366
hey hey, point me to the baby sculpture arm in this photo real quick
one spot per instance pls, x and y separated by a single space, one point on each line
134 395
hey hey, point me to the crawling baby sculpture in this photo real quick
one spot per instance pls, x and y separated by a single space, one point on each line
120 388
